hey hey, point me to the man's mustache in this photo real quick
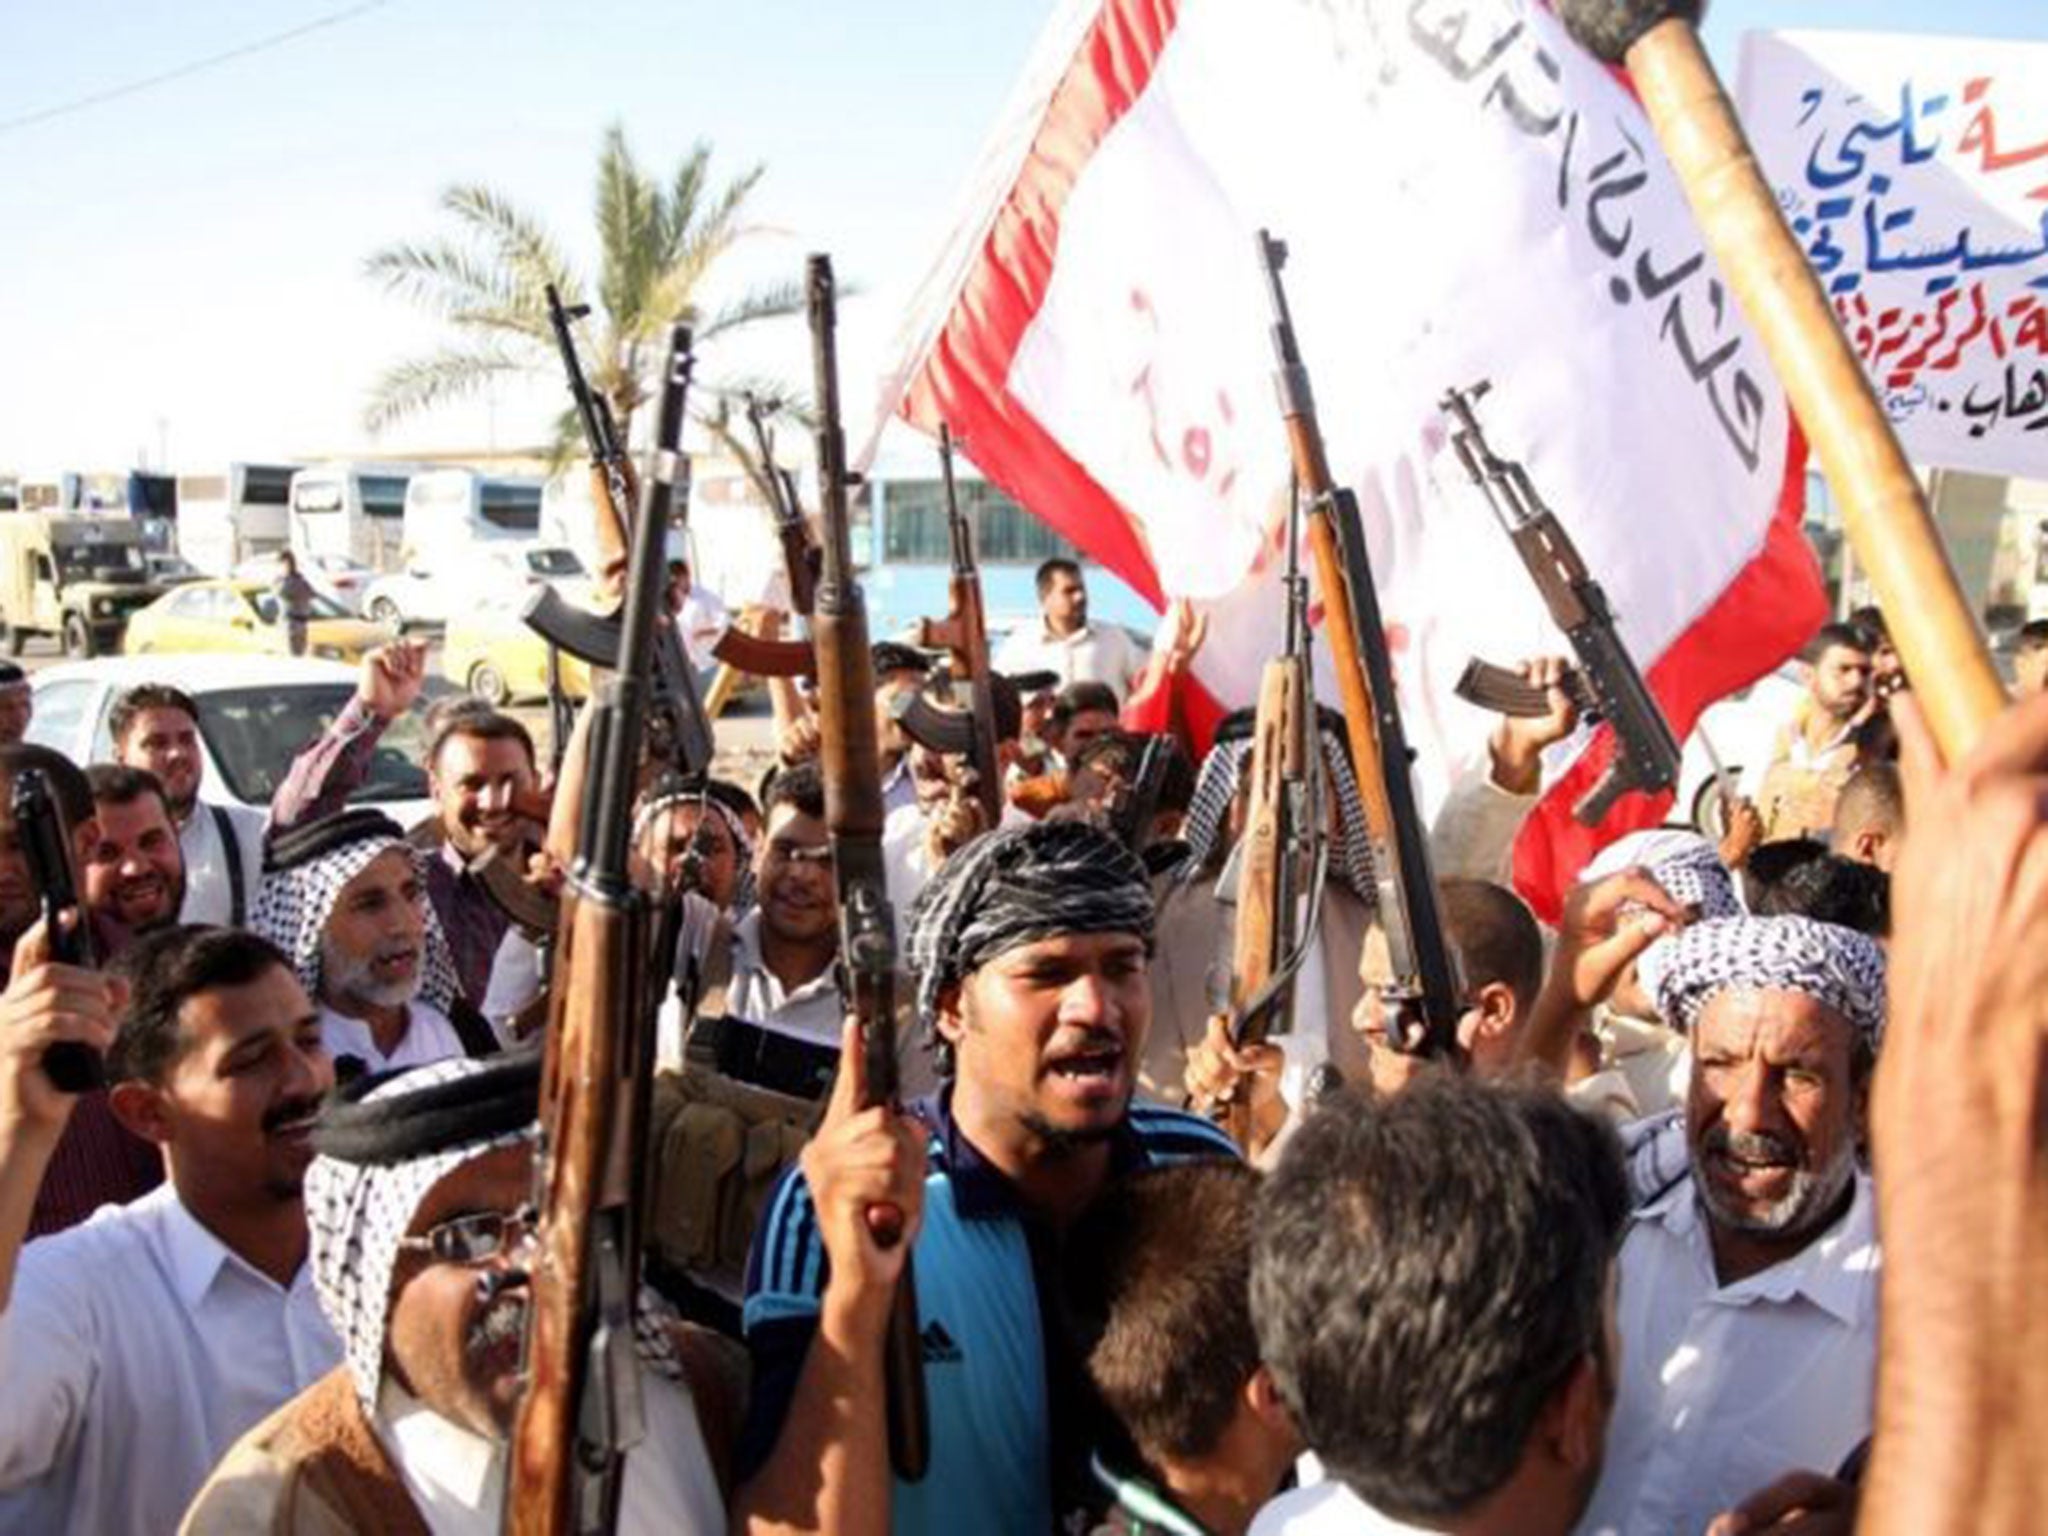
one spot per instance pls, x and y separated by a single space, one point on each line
501 1322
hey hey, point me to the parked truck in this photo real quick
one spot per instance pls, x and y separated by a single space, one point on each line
74 576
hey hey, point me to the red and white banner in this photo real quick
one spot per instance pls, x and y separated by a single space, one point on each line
1467 196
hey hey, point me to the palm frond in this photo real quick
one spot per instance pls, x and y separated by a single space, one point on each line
777 301
417 384
679 207
520 242
628 219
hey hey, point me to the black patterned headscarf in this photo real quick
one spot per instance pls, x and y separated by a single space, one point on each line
1207 827
1837 967
1019 885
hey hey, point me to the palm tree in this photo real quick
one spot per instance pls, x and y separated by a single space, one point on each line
657 243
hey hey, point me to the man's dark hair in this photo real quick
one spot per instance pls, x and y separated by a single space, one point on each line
800 786
1058 565
1769 863
473 718
1829 637
1833 889
1873 797
131 702
118 784
67 783
2033 636
1157 1287
1427 1272
1870 620
1496 937
1080 699
163 970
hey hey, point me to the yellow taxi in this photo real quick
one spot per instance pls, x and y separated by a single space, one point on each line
244 616
492 653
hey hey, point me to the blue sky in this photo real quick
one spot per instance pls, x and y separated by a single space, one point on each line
180 267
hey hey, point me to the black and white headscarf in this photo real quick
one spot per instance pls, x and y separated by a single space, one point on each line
1837 967
666 799
1018 885
1686 865
295 900
1208 820
360 1205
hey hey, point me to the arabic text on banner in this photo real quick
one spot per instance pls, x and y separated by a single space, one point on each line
1915 172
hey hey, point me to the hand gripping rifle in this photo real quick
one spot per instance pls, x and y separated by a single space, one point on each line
679 732
1422 993
853 813
1606 684
72 1066
1285 855
972 733
581 1408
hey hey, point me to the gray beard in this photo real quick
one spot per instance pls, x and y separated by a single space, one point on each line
345 978
1813 1195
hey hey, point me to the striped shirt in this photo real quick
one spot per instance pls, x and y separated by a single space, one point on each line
1010 1408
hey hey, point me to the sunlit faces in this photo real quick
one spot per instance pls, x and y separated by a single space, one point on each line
134 870
793 877
689 825
1049 1034
449 1345
1773 1112
166 742
375 940
475 779
1842 681
1064 602
236 1104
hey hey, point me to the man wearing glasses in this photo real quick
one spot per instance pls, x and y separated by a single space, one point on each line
421 1232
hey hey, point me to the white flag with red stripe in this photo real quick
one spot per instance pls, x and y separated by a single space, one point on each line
1467 196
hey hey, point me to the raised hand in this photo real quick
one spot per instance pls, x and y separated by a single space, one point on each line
44 1003
1517 745
393 676
865 1169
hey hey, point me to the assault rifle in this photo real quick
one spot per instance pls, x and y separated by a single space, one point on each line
848 753
972 733
1285 855
1607 684
72 1066
799 554
581 1409
1422 992
676 723
1137 801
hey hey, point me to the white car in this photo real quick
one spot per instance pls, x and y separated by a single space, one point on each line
489 578
255 714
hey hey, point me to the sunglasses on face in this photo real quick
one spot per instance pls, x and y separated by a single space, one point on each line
476 1237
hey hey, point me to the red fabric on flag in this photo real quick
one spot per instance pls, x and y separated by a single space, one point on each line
1769 607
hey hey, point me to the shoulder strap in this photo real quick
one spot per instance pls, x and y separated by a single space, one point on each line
707 979
231 852
472 1029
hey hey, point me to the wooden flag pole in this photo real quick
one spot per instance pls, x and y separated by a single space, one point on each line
1884 514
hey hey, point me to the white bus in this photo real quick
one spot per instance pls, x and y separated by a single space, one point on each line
229 517
350 511
450 512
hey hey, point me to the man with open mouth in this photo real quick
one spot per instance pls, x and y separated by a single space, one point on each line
422 1234
134 874
1031 947
345 897
1749 1279
136 1347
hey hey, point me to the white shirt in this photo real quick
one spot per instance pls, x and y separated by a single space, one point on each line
1725 1388
811 1012
703 623
136 1351
515 980
429 1036
1094 653
457 1479
1325 1509
208 893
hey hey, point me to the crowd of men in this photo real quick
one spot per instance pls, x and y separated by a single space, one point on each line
1610 1265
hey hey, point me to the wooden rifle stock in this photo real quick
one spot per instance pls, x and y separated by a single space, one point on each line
763 657
580 1408
851 758
1423 992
